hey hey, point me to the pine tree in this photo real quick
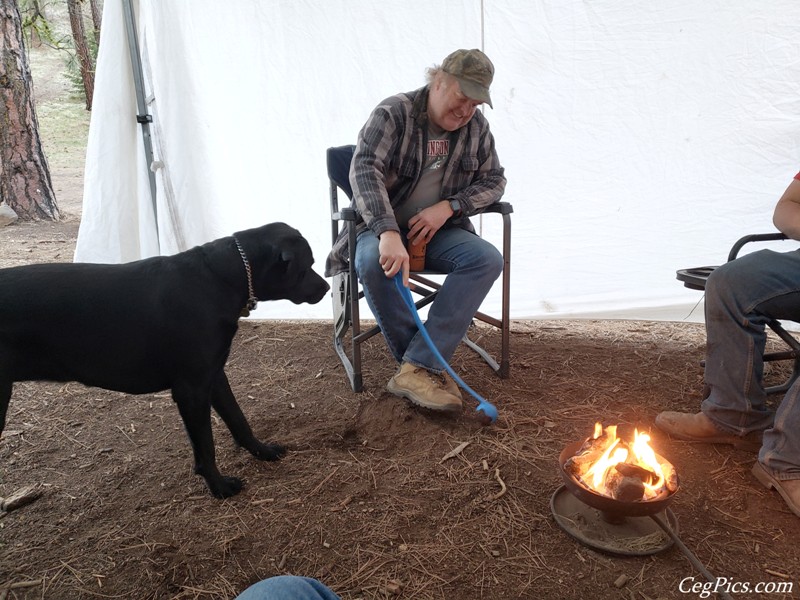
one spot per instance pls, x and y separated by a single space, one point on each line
25 183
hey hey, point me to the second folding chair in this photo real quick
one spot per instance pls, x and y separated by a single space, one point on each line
695 278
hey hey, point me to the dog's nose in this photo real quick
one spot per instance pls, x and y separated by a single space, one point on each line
325 288
320 289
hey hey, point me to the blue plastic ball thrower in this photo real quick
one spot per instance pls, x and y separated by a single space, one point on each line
487 408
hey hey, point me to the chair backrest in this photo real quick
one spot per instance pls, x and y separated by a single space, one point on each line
339 159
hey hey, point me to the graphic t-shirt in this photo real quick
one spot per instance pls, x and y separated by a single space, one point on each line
428 189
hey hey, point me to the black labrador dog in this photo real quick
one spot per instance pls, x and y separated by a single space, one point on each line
155 324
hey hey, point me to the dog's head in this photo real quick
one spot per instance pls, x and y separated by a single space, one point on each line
281 261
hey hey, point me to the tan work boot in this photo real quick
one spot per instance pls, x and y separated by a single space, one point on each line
423 388
450 386
696 427
789 489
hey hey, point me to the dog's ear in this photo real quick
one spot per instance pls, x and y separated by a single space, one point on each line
286 259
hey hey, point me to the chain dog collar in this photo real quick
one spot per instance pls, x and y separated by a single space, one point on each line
252 301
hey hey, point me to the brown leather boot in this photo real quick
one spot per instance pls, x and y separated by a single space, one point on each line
696 427
789 489
423 388
451 386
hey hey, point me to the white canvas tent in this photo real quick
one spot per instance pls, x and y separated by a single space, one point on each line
638 137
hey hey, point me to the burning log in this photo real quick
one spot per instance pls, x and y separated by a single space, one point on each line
590 452
641 473
623 469
670 477
624 488
577 465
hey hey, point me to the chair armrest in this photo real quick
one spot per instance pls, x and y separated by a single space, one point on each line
696 278
754 237
504 208
345 214
349 213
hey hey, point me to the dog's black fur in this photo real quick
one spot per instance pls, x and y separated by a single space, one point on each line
154 324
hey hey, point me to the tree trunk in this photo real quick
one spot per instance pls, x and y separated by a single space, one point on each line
25 183
36 10
96 19
82 49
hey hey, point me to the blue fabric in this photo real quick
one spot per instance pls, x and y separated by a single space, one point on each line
741 297
287 587
339 160
472 265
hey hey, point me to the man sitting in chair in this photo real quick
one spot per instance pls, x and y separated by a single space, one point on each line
424 162
741 296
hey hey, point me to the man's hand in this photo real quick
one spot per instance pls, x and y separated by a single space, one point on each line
393 255
428 221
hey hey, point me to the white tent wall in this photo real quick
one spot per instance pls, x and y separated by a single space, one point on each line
117 218
638 138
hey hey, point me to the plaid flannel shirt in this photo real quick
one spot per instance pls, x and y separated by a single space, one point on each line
388 161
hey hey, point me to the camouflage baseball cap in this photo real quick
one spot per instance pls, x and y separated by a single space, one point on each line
474 72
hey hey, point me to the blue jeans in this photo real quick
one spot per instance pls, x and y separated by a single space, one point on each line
287 587
741 297
472 265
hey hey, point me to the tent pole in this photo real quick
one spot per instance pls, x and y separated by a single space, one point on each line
142 117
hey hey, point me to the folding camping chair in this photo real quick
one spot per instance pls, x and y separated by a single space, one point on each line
695 279
347 293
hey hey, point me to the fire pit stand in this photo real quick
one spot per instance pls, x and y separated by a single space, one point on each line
615 534
625 528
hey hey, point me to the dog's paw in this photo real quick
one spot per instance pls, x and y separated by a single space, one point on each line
225 487
268 451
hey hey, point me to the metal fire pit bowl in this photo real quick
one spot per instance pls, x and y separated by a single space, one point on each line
625 528
609 506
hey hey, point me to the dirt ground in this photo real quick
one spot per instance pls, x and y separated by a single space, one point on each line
367 499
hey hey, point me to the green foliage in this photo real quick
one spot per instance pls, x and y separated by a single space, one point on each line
47 22
38 28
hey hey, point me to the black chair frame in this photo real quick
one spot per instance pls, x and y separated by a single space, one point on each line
347 293
695 278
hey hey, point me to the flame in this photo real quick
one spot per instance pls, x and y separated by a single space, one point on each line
647 458
615 451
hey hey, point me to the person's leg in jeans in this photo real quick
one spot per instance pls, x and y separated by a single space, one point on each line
472 265
747 293
287 587
741 297
385 302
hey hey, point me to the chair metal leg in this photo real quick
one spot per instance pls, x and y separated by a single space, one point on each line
428 290
482 353
356 381
793 354
505 328
341 291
